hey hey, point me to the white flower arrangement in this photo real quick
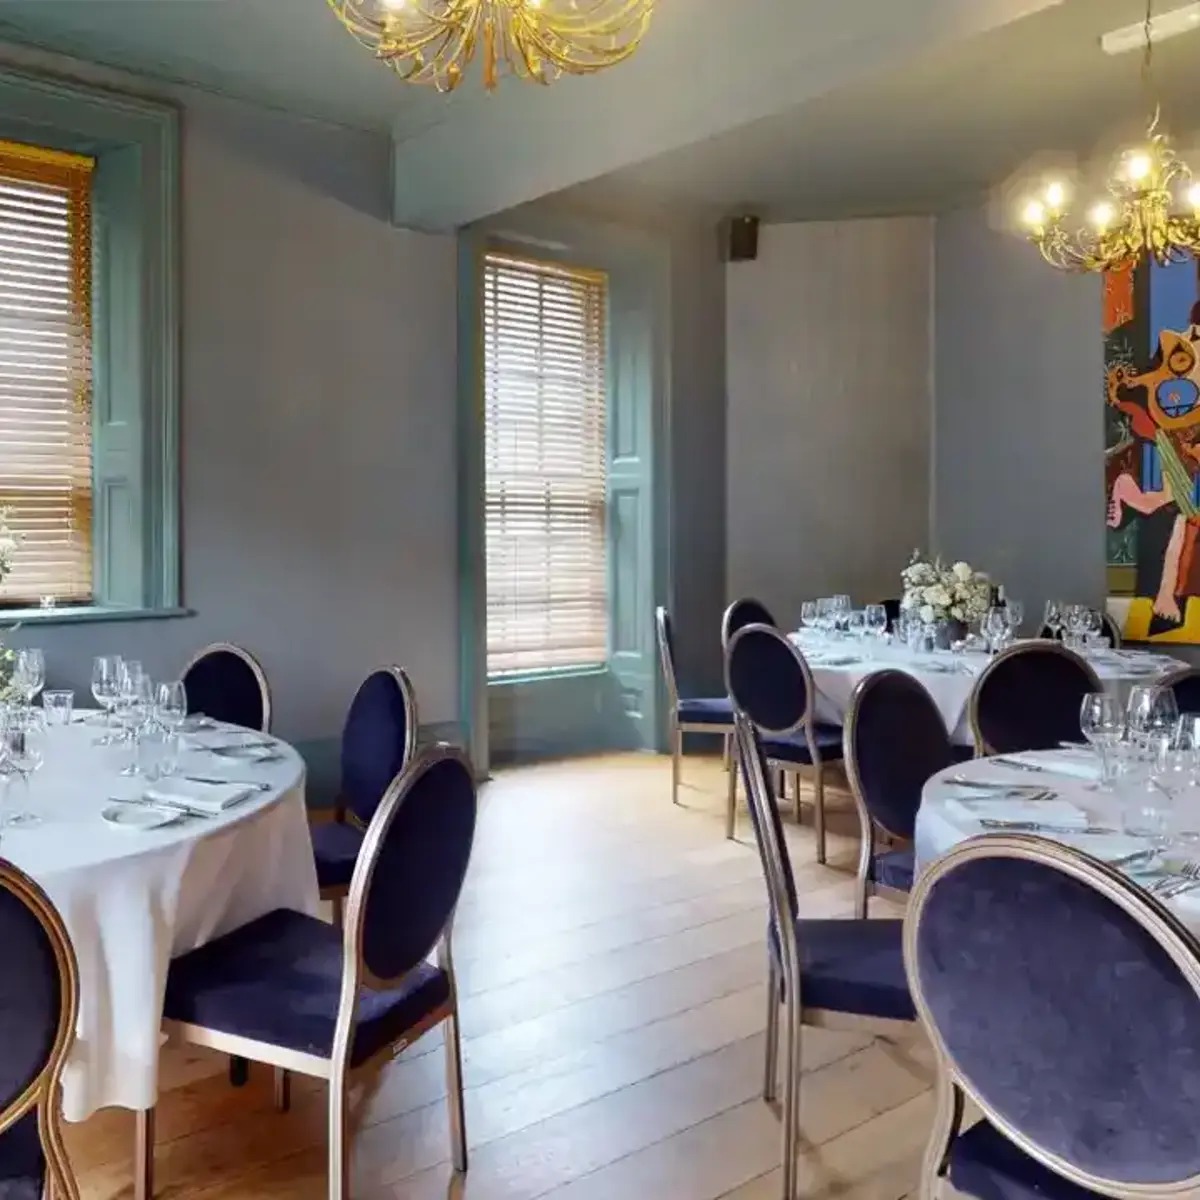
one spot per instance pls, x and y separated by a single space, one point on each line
935 592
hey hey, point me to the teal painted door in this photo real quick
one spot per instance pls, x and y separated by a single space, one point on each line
631 524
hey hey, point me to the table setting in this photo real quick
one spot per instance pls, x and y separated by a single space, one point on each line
1130 795
952 621
153 832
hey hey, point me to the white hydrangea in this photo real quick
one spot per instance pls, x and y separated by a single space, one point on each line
936 592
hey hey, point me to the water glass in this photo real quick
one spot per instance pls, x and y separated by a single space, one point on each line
106 690
58 706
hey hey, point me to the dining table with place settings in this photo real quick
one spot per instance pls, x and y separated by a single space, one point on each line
146 866
838 665
1058 794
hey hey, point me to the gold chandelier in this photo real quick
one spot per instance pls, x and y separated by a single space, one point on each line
1153 207
433 41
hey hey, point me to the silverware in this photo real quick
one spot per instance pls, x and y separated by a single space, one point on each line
1130 860
172 805
1038 827
246 783
1018 766
997 785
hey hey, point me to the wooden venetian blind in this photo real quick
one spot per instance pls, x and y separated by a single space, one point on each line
46 371
545 345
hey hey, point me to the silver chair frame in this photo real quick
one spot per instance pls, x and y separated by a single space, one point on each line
1037 646
1111 628
864 886
784 981
355 975
255 666
783 768
953 1086
337 893
43 1091
1179 675
675 727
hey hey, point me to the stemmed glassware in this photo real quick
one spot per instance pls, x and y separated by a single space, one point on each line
1053 618
137 710
995 628
106 689
170 710
808 615
29 673
1016 617
21 732
1102 723
841 613
875 623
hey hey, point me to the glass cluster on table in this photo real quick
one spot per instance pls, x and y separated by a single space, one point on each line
140 716
1149 761
837 619
1079 627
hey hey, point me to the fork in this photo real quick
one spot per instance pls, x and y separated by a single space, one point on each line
1183 880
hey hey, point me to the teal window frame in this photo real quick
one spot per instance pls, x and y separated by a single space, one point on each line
136 332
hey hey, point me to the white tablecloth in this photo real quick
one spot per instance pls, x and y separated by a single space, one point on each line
941 825
948 677
133 900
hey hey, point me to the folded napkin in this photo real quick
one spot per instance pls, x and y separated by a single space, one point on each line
1077 764
1042 812
208 797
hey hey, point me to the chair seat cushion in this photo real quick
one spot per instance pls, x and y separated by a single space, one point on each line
794 747
894 869
335 847
278 980
854 966
985 1164
716 710
22 1164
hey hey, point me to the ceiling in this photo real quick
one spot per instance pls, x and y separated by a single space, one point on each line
947 126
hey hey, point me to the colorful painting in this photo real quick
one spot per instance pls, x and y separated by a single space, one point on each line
1152 450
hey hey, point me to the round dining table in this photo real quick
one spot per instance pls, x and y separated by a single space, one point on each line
133 898
838 666
973 798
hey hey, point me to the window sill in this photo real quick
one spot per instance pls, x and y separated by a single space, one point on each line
515 680
85 613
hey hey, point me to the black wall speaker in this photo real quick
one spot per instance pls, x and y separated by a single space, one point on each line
741 239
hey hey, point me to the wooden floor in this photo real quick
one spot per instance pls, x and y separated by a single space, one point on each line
611 966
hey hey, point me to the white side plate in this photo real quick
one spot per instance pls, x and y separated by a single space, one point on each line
140 816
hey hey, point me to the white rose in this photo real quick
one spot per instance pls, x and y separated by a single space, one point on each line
963 571
927 614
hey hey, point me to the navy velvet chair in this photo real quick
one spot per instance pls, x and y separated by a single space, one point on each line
892 609
840 973
1028 698
1062 999
1185 683
741 613
227 683
895 741
39 1004
768 679
379 739
292 991
709 715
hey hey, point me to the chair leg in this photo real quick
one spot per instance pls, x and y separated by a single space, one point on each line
676 756
791 1097
336 910
283 1089
819 810
143 1155
239 1072
726 753
339 1151
771 1066
731 797
454 1093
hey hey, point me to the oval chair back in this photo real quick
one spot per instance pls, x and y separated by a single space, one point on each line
1028 698
1099 1083
768 679
409 874
741 613
894 741
666 654
379 739
226 683
1185 683
39 1005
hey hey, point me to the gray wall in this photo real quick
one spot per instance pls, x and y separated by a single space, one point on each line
318 422
829 410
1019 427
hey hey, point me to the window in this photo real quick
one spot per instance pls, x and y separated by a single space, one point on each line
46 371
545 465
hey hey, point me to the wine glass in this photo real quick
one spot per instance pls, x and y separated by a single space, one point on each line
29 673
170 708
22 737
808 614
1016 616
841 612
1053 618
875 622
995 628
1102 722
106 690
825 615
856 624
137 696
